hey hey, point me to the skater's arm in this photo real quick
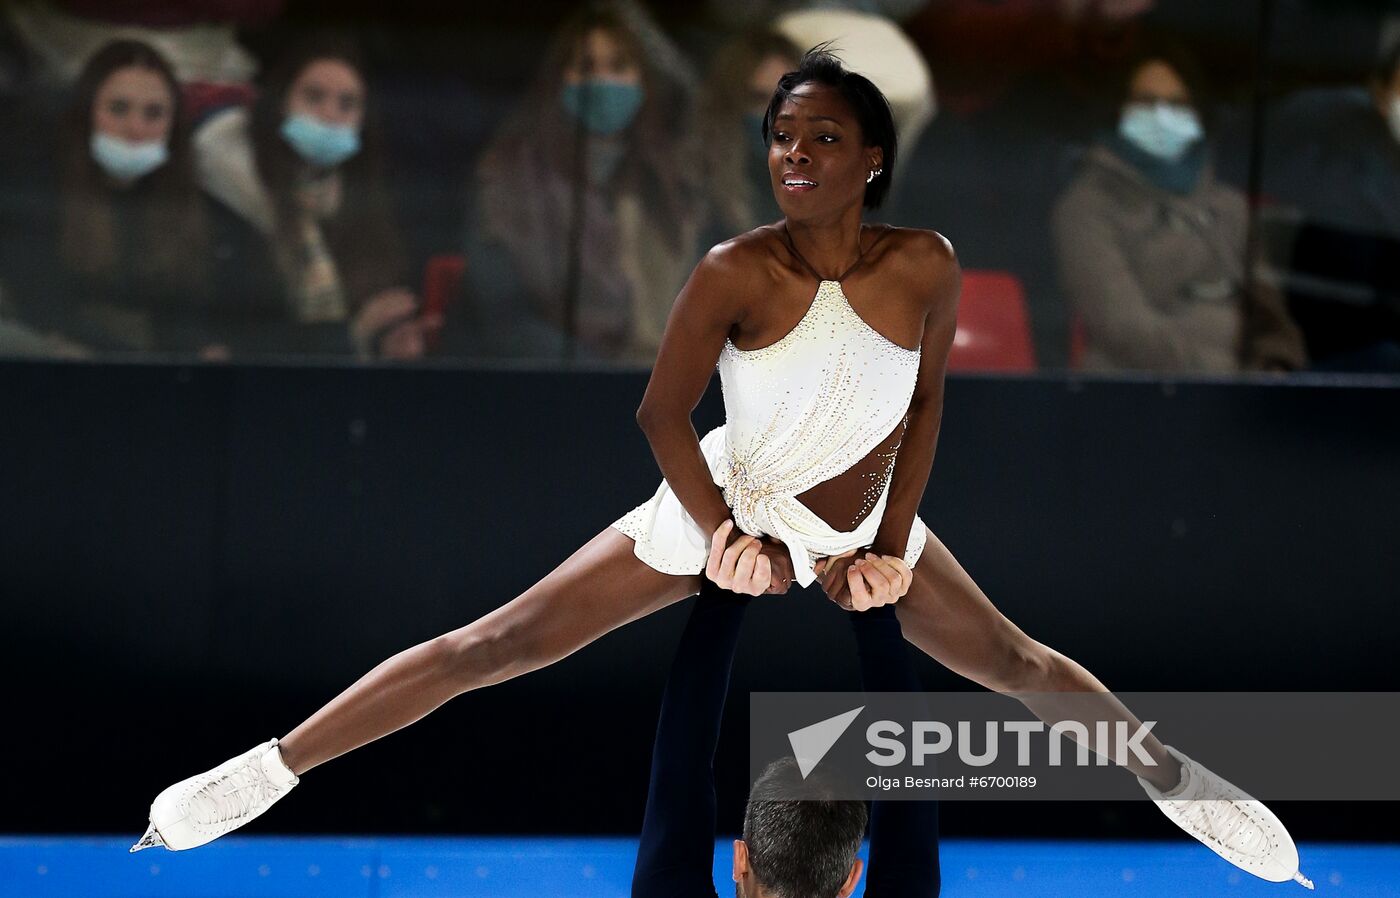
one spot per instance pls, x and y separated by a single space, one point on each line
708 307
911 469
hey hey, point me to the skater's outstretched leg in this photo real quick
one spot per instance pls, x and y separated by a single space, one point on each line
600 587
947 616
951 619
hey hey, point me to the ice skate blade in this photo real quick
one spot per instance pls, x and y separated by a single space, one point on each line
1302 880
152 838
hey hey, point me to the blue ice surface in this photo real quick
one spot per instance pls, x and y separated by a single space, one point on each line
588 867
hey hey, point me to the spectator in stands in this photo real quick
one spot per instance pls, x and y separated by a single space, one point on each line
306 228
1336 170
1152 249
1022 85
52 40
115 260
733 100
798 840
587 199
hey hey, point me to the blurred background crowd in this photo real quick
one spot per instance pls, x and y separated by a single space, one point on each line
1156 185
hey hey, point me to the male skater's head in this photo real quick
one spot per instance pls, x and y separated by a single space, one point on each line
798 841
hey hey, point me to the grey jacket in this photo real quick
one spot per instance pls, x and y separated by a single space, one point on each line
1156 279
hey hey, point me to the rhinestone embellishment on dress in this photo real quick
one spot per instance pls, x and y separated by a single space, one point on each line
743 492
810 405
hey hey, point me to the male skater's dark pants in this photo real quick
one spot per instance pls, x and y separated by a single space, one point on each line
676 856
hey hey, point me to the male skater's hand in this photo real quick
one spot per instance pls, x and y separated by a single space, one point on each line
779 563
859 584
749 566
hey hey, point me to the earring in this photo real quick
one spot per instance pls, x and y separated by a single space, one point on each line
874 174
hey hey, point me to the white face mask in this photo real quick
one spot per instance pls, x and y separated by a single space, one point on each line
1165 130
127 161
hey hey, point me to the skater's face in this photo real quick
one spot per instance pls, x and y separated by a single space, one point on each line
818 159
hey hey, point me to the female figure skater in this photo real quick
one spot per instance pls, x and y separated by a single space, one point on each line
820 394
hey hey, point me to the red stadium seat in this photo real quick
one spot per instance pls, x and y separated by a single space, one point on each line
994 332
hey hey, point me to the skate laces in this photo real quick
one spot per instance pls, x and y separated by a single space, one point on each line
1227 825
1224 818
234 794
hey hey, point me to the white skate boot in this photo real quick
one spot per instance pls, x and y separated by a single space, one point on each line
198 810
1229 822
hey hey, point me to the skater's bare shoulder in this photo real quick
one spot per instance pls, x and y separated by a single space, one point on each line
715 299
745 267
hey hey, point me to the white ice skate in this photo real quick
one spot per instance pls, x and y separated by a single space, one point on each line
1229 822
198 810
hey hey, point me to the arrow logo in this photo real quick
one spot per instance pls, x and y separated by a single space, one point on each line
810 744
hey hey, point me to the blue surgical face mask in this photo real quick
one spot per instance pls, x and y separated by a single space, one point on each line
611 105
127 161
319 143
1165 130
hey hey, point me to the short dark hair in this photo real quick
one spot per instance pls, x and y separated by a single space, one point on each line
820 66
802 841
1159 47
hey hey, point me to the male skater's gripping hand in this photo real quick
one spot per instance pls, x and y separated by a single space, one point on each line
749 566
859 584
755 566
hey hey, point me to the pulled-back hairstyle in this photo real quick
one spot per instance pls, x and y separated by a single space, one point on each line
802 841
820 66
